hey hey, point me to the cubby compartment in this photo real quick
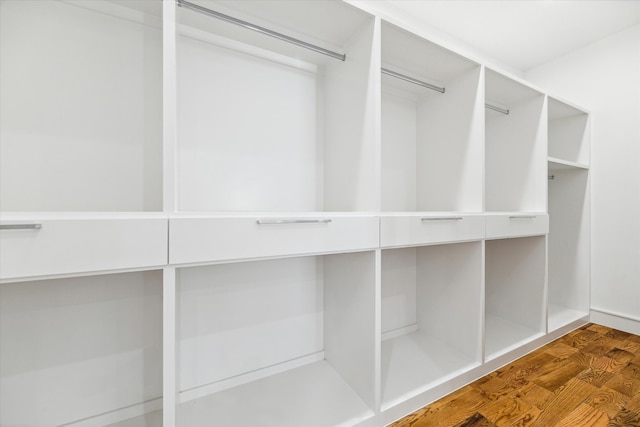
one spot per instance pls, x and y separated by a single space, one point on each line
431 137
431 317
515 310
568 247
269 126
569 136
85 349
80 106
515 146
278 342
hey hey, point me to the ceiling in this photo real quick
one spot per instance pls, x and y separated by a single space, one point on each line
524 33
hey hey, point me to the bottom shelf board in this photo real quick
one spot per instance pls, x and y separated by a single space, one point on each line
503 335
560 316
414 362
311 395
153 418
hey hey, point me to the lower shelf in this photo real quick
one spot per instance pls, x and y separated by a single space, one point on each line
311 395
149 419
560 316
415 362
502 336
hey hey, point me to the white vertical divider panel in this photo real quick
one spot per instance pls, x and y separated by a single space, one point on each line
169 104
351 117
378 332
170 353
350 302
450 147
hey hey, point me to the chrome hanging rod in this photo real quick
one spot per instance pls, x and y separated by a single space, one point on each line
498 109
412 80
259 29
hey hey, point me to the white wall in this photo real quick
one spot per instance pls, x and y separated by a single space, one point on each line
605 78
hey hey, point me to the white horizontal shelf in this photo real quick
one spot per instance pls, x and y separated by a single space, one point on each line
415 362
559 316
311 395
503 336
560 164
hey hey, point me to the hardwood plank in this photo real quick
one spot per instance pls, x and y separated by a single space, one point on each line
558 375
599 329
564 400
581 339
560 350
619 335
632 371
608 401
625 385
584 416
495 388
620 355
607 364
533 394
595 376
626 418
503 411
476 420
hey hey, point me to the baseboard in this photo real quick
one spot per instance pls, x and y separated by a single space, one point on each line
619 321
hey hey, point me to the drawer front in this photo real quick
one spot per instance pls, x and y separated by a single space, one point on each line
216 239
416 230
54 247
517 225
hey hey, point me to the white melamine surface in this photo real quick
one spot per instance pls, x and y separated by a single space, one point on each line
515 305
261 128
81 244
80 107
74 348
569 136
515 147
560 316
516 225
214 239
414 362
312 395
410 230
431 141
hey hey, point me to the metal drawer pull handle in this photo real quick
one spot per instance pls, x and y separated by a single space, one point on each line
442 218
20 226
523 217
294 221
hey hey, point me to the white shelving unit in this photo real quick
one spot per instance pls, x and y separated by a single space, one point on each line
431 319
279 342
569 249
515 303
296 127
201 222
515 146
431 140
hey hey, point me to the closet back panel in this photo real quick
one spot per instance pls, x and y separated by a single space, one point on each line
74 348
267 127
80 107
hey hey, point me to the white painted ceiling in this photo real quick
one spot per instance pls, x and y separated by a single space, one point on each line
524 33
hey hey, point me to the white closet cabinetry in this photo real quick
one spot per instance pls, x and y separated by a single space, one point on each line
82 239
204 224
569 249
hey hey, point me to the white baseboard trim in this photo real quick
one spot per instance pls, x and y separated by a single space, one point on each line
118 415
619 321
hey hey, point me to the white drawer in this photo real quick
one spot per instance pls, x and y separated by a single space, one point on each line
66 246
516 225
215 239
429 229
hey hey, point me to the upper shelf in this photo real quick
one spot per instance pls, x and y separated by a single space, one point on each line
568 133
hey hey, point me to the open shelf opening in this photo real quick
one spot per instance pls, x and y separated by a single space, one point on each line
515 146
431 316
80 106
283 342
568 246
514 293
80 348
267 126
431 141
568 133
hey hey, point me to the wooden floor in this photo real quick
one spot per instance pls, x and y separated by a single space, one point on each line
588 378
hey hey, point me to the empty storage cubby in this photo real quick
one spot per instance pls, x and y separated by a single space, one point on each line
278 342
267 125
80 106
568 134
514 293
569 248
515 146
82 350
431 137
431 317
